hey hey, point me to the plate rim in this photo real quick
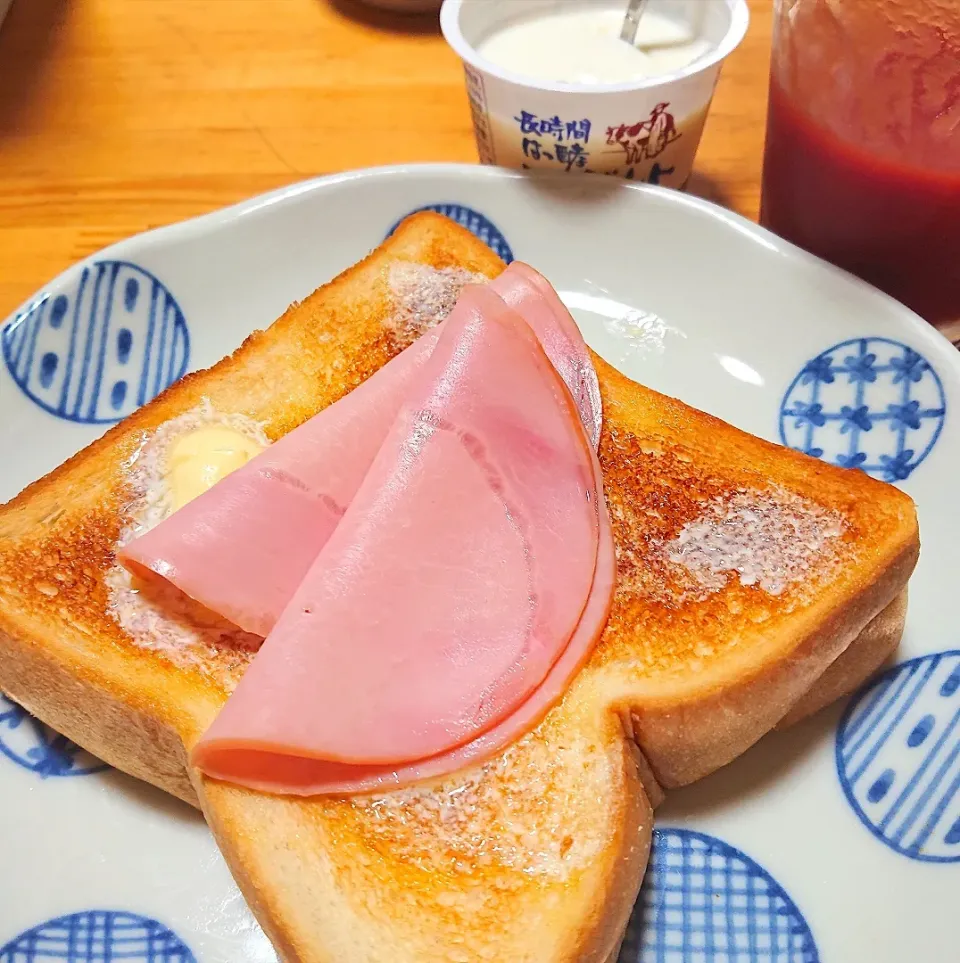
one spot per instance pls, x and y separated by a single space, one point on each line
482 174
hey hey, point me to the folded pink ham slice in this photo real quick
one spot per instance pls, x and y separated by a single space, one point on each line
243 547
305 776
453 584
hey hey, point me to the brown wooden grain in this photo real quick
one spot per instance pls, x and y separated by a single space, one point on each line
121 115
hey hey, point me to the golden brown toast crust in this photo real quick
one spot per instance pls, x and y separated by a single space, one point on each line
504 863
694 681
657 642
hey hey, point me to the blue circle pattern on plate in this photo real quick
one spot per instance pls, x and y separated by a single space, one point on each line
34 746
898 757
100 347
868 403
98 936
475 222
703 901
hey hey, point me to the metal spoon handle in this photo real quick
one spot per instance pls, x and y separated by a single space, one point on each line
631 20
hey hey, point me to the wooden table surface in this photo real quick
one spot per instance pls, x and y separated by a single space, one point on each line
121 115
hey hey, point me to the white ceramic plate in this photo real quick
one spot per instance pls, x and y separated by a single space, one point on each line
838 841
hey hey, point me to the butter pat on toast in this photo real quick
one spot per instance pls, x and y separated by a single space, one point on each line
754 584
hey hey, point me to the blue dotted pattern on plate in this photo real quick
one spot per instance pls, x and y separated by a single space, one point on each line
473 221
898 757
703 901
868 403
98 936
29 743
101 347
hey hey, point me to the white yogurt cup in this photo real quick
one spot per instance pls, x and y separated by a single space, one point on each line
646 130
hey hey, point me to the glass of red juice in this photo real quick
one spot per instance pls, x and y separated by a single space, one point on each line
862 161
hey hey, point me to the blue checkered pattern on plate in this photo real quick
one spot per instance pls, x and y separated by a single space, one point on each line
703 901
98 936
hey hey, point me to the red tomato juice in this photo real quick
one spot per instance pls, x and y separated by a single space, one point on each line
894 224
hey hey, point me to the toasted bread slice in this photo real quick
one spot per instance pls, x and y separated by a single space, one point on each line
860 660
536 855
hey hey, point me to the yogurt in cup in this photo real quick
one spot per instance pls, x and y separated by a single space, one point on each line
608 109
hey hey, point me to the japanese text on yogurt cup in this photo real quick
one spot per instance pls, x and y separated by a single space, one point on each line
558 90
